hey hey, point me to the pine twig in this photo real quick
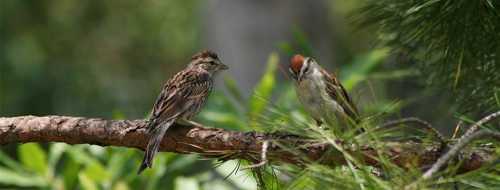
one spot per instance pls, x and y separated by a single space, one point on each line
464 141
481 122
468 137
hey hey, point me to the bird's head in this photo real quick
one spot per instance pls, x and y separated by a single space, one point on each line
301 66
207 60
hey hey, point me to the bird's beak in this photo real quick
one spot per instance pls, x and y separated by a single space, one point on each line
223 66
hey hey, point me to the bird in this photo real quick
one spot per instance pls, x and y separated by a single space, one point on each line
181 98
321 93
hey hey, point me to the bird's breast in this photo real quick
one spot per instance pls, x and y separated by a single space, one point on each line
313 95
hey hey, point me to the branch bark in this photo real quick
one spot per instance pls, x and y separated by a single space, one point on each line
220 143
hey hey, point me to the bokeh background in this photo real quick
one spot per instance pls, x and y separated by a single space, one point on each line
108 59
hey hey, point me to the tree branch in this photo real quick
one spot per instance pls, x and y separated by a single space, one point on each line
220 143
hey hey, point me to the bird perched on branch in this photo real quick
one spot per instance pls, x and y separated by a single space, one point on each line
320 92
181 98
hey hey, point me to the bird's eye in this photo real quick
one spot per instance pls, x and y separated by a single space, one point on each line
211 62
306 69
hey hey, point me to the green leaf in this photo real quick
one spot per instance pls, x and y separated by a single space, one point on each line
11 163
182 183
33 157
86 182
78 154
96 172
263 90
229 119
118 160
70 173
121 185
55 153
155 174
361 66
9 177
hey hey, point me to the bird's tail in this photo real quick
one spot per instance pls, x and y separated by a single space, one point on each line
155 136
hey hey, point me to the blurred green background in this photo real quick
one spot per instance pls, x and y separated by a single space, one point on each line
108 59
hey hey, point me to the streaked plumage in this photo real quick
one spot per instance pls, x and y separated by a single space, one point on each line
320 92
181 98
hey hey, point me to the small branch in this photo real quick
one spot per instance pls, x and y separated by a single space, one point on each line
467 138
481 122
456 148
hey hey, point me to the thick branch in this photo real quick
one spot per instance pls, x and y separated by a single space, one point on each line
216 142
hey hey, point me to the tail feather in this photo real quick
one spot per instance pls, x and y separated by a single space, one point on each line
156 136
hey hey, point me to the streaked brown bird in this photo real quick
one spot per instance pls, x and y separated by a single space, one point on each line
181 98
320 92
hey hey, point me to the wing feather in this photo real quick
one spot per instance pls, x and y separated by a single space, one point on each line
179 94
337 92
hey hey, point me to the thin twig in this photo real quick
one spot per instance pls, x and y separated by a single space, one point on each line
263 157
426 125
478 124
464 141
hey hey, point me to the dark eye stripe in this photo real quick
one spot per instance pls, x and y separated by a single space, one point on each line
306 69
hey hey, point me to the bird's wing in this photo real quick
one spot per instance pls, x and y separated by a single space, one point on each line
337 92
180 93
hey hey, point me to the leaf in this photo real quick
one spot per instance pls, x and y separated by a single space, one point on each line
86 182
79 155
418 8
9 177
11 163
70 172
155 174
117 161
33 157
182 183
55 152
96 172
229 119
263 90
121 185
361 66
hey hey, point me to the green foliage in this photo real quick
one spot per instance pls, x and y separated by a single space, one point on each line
455 43
62 166
361 67
33 157
263 91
